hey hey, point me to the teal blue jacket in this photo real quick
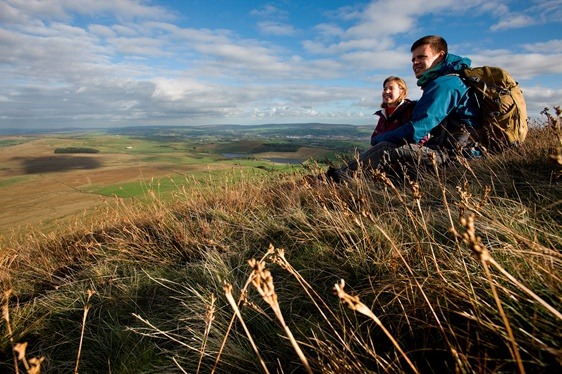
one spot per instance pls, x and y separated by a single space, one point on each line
444 96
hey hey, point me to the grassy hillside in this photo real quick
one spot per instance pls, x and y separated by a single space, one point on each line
459 271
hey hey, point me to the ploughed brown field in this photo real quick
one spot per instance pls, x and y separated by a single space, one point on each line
39 187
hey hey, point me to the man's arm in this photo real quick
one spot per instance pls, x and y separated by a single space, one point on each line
399 135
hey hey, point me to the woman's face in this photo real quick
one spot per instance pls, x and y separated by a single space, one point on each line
390 93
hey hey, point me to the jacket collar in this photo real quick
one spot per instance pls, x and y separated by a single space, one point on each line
451 63
382 111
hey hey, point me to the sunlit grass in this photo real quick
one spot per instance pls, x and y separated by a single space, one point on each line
261 270
164 187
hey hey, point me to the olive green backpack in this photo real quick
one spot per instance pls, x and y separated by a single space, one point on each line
502 106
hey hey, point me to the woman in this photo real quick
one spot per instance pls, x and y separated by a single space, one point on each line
396 108
396 111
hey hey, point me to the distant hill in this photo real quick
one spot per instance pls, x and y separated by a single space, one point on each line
41 131
340 138
297 129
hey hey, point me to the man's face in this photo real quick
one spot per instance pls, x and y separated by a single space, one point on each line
424 58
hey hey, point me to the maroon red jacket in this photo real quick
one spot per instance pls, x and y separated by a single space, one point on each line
400 116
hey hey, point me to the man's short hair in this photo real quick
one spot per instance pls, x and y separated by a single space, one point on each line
435 42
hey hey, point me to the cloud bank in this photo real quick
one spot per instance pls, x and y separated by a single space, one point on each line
122 62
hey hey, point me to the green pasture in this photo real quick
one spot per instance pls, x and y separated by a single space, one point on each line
264 166
136 189
119 144
233 172
160 186
10 142
191 152
179 158
11 181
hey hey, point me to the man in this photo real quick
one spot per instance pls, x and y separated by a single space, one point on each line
446 111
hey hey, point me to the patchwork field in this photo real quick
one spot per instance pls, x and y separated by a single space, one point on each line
39 187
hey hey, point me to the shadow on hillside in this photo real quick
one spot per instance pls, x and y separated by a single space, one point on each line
49 164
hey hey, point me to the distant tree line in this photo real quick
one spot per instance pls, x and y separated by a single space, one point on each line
76 150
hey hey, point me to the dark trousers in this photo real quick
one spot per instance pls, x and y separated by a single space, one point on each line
392 157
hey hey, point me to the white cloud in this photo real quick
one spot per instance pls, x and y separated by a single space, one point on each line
521 66
540 13
143 46
548 47
381 19
64 9
276 28
328 31
268 11
369 60
378 23
538 98
101 31
178 89
548 10
346 13
513 22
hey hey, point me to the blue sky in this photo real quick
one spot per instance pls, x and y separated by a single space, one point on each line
107 63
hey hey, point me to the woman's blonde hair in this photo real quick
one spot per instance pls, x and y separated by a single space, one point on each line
401 84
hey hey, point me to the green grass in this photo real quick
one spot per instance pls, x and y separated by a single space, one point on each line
132 189
11 181
462 277
11 142
164 187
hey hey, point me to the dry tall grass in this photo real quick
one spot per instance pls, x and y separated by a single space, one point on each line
459 271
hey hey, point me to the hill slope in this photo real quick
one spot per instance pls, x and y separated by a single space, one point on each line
454 272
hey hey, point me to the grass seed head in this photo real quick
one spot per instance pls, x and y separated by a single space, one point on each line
263 281
20 348
474 242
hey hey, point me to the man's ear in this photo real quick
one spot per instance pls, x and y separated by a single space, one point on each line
442 55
